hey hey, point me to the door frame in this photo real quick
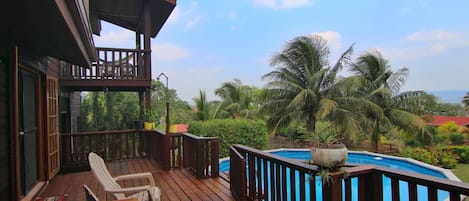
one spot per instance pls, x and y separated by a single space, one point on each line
14 127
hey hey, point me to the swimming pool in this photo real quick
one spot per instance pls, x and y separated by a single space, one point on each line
398 163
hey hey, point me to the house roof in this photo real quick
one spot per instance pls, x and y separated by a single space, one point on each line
129 14
459 120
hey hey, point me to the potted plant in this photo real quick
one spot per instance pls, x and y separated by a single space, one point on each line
150 118
327 151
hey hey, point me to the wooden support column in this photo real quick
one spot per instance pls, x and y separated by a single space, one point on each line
148 99
140 104
14 125
146 38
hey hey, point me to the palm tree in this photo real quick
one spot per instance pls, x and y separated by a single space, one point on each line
381 86
465 101
304 87
236 99
203 107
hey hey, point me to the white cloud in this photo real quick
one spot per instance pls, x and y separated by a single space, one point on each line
427 43
169 52
191 23
192 16
115 38
434 36
282 4
333 40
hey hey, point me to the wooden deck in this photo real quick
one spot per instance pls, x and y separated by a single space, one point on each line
177 184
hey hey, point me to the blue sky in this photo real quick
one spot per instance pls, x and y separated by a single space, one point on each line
206 43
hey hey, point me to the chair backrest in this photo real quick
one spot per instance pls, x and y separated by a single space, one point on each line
99 169
89 195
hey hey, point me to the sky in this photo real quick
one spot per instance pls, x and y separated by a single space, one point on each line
205 43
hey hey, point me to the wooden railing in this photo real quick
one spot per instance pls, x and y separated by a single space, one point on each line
197 154
270 177
113 64
201 155
237 175
111 145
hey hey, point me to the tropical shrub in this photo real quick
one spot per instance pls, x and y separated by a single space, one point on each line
456 138
252 133
462 152
437 155
420 154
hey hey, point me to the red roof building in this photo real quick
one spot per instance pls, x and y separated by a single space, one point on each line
459 120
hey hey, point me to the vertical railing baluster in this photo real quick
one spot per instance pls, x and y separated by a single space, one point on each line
412 191
432 193
395 189
302 185
348 189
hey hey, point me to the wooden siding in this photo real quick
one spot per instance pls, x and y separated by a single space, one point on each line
5 163
176 184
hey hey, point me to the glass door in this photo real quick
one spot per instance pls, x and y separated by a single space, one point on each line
28 129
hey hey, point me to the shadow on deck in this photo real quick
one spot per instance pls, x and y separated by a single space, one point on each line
176 184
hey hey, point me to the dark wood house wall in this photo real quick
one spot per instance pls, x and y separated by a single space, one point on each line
5 163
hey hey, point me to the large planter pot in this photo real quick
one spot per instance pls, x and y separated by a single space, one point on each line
138 125
148 125
173 128
330 157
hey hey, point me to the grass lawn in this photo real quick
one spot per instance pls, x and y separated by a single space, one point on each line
462 171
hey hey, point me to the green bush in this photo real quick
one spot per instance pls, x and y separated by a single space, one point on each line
462 152
456 138
448 160
420 154
251 133
438 155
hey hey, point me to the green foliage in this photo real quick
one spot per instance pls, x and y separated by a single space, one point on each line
462 152
109 111
420 154
456 138
251 133
448 128
465 102
436 155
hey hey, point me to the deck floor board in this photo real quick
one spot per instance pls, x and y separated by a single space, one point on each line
176 184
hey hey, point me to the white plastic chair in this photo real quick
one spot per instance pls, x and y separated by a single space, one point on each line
99 169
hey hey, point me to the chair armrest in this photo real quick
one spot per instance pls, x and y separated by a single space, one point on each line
146 175
129 189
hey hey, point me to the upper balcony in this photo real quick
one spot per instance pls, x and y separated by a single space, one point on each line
116 69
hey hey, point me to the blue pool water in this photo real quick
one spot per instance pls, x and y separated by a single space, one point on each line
364 158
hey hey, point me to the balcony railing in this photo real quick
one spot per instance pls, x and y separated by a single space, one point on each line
113 64
269 177
197 154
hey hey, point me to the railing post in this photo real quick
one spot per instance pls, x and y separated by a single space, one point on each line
166 152
333 191
215 165
370 187
200 159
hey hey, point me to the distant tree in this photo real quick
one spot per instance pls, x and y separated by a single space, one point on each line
109 111
451 109
381 85
202 107
465 101
304 87
180 111
236 100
